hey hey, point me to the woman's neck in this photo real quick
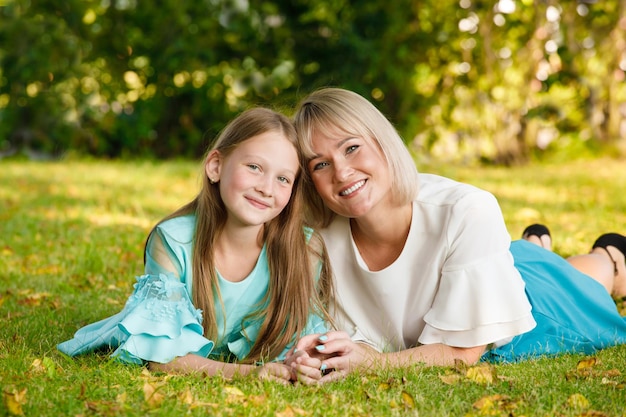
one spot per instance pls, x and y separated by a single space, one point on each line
381 240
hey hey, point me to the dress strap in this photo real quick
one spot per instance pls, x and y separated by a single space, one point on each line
612 260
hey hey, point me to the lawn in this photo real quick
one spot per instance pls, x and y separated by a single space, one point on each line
71 240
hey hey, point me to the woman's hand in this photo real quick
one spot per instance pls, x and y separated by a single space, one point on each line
316 344
337 354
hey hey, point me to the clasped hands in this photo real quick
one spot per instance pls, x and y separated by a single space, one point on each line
320 358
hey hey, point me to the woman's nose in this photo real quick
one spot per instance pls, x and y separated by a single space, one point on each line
343 170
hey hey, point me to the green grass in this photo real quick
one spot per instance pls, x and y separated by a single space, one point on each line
71 239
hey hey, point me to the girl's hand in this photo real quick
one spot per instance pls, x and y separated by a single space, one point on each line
306 369
273 371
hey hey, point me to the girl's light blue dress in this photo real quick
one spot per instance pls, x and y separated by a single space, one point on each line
574 313
159 322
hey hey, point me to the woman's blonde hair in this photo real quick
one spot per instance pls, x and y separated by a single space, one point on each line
294 292
333 111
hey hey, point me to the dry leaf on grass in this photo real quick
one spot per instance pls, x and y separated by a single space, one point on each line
290 411
496 404
481 374
34 299
186 397
14 400
407 400
587 363
152 397
587 368
234 395
592 413
45 365
578 402
450 379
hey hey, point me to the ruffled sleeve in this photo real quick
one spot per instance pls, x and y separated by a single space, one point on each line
158 323
163 323
481 298
472 308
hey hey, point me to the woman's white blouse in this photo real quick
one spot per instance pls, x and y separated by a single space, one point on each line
454 282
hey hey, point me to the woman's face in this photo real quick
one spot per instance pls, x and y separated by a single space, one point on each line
350 173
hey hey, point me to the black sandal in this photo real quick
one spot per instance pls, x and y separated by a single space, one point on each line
536 230
611 239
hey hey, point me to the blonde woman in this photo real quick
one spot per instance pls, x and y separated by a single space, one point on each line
424 267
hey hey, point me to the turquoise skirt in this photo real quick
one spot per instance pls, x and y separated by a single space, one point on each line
574 313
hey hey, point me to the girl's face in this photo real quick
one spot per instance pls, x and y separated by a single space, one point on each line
255 179
349 173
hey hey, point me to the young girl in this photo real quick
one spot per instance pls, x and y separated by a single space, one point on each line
233 277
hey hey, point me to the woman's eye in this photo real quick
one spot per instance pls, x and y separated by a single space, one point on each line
319 165
352 148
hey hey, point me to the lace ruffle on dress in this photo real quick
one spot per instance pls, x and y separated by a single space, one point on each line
158 323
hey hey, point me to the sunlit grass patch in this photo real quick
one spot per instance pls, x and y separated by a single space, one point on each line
71 242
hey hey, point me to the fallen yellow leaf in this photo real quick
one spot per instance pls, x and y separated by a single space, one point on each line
578 401
383 386
151 395
494 404
587 363
408 400
233 391
450 379
37 365
121 398
14 400
481 374
198 404
257 400
290 411
186 397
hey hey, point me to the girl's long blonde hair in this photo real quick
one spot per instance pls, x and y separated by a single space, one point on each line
294 291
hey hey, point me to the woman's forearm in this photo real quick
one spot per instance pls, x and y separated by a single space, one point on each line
434 355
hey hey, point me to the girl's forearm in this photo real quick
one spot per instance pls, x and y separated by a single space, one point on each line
190 363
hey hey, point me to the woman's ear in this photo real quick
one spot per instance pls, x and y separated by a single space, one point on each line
213 166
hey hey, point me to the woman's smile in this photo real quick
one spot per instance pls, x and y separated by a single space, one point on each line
348 191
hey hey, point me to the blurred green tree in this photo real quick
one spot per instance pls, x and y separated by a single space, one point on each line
461 79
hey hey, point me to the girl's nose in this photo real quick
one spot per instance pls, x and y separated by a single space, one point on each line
265 185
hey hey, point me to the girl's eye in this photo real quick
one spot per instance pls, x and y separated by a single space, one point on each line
352 148
319 165
254 167
284 180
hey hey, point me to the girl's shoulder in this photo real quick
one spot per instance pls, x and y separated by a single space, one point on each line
308 232
179 229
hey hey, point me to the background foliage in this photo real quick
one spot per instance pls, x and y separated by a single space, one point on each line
497 80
